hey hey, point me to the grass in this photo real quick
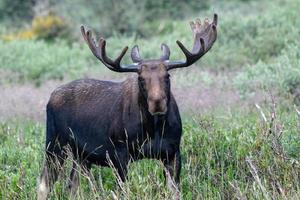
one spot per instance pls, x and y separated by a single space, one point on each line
223 158
282 74
38 61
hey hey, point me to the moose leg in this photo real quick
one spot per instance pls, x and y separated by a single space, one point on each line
86 171
74 180
172 172
49 175
120 164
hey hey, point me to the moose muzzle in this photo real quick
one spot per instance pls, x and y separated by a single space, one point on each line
157 106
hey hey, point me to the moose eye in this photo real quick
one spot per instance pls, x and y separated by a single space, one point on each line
141 80
167 78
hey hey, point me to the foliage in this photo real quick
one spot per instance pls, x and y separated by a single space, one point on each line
282 74
240 43
253 37
47 27
50 27
22 35
37 60
126 16
16 10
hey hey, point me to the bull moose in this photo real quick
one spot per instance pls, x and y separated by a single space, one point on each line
112 123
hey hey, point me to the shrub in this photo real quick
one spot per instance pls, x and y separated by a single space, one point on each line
22 35
38 61
126 16
260 35
49 27
282 74
16 11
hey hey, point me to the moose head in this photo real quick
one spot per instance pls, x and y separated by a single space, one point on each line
153 76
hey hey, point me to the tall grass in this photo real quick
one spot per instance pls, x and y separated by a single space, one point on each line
281 75
245 156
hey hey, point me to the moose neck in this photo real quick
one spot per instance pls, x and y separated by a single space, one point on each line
154 123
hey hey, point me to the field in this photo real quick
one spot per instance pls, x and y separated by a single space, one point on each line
240 106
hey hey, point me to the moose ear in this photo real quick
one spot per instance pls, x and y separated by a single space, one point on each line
135 54
166 52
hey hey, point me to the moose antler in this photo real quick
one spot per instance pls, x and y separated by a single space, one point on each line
100 53
204 37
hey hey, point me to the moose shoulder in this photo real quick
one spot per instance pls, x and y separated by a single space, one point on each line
108 123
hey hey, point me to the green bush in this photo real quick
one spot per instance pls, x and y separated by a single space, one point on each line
48 27
16 10
126 16
252 37
38 61
51 27
282 74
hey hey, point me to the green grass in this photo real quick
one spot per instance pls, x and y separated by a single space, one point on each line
282 74
38 61
216 153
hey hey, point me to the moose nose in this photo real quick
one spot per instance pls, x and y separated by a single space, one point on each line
157 103
157 106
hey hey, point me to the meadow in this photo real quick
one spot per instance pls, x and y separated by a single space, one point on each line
239 105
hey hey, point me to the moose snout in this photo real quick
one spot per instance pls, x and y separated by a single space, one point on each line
157 106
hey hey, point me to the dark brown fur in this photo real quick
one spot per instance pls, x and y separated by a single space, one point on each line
107 122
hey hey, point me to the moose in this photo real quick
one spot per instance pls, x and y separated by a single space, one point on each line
113 123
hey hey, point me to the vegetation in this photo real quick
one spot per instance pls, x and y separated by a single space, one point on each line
38 61
240 157
12 11
241 43
121 16
282 74
248 149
